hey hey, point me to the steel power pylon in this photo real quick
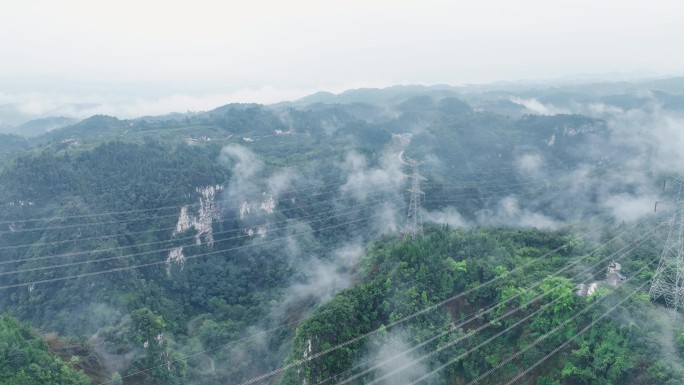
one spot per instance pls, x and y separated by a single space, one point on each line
668 280
414 220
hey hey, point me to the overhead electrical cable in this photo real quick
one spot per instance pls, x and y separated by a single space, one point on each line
156 263
543 337
375 331
313 314
336 183
71 254
584 330
138 211
407 318
622 252
346 212
177 207
140 219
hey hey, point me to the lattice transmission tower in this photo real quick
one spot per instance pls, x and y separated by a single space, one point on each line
414 219
668 280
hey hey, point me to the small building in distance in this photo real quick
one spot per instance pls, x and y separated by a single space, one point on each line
614 278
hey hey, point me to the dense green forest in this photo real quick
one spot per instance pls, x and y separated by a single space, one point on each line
448 267
26 359
217 247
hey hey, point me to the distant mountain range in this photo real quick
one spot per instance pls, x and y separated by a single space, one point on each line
16 118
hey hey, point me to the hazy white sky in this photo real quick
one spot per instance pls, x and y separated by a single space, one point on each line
285 48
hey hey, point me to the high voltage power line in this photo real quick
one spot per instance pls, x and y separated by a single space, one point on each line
140 219
137 211
468 335
371 204
336 183
156 263
584 330
491 308
487 283
174 247
390 325
479 378
154 229
144 218
162 250
164 261
489 323
359 207
482 285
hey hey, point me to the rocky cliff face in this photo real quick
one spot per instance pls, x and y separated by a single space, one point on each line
199 220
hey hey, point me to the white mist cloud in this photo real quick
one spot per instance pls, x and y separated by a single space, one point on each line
601 110
320 279
243 163
537 107
643 144
387 218
364 181
529 165
509 213
330 126
391 362
384 181
244 166
628 207
349 255
280 181
666 130
448 215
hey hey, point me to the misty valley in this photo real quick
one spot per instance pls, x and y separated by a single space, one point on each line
491 234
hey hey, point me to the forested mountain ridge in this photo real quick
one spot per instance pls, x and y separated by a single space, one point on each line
430 294
200 247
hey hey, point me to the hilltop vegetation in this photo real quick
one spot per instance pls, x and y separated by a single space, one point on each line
444 272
